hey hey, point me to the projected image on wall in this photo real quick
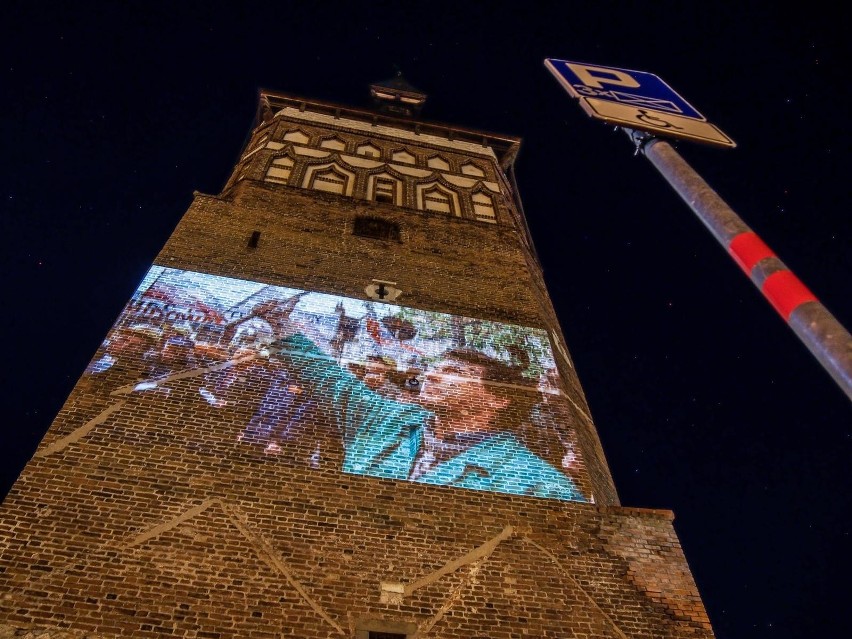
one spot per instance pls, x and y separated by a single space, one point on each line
371 388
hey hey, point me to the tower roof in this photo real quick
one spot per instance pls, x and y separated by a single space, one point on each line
397 95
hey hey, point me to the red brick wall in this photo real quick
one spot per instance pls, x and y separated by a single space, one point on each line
144 518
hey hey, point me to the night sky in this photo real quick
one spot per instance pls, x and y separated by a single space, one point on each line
706 402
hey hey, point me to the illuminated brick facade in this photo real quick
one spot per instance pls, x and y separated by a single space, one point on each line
339 405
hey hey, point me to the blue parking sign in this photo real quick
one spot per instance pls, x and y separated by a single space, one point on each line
634 99
634 88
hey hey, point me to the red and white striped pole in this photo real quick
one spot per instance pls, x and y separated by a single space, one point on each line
824 336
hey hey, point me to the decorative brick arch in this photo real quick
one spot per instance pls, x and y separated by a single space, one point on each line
330 178
435 197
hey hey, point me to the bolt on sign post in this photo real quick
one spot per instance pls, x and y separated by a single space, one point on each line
646 107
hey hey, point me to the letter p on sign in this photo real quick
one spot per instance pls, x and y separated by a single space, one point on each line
598 76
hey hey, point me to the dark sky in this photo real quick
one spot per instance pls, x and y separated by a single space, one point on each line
706 402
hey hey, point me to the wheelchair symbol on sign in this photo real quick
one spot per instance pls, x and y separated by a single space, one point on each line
655 121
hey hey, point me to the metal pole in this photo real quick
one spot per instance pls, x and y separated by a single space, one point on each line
824 336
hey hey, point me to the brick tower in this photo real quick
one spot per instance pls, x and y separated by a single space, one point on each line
339 405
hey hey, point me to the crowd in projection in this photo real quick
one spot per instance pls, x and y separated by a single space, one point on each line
384 390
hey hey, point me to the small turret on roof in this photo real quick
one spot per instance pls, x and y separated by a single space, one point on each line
397 96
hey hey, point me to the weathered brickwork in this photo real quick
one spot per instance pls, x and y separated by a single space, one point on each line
157 504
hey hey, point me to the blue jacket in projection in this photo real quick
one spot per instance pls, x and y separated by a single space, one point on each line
382 437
